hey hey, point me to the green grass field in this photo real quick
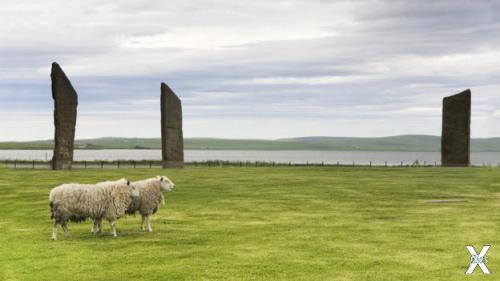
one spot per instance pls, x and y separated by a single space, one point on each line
263 224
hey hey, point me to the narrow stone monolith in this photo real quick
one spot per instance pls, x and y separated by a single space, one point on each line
65 103
455 137
172 141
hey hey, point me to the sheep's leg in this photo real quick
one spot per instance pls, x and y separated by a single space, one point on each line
112 223
142 221
99 226
95 227
149 223
65 228
54 231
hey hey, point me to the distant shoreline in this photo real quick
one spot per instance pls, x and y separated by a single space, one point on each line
403 143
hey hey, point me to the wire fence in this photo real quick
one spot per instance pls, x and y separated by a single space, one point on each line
133 164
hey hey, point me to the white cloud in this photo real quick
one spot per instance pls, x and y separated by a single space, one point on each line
317 80
203 38
423 109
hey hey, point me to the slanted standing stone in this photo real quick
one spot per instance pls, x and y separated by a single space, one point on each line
65 103
455 138
172 141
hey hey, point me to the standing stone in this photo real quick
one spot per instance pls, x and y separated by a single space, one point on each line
65 103
455 138
172 141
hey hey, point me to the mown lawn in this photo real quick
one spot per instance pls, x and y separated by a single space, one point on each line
263 224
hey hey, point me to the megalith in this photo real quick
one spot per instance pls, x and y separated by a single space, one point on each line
172 141
455 137
65 103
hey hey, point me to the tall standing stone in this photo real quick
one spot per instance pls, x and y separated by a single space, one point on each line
455 138
172 141
65 103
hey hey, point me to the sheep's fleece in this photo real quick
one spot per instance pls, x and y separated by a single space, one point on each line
150 197
76 202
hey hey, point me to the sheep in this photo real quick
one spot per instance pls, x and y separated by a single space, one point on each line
77 202
150 197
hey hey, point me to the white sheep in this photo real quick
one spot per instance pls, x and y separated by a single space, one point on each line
76 202
150 197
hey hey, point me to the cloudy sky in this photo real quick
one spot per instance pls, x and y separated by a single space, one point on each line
250 69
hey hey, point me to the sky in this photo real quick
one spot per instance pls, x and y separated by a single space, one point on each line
250 69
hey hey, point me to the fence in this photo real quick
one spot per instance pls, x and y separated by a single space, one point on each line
131 164
38 164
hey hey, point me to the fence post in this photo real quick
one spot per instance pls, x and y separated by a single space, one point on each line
385 163
134 163
33 164
150 164
102 165
401 163
15 164
370 163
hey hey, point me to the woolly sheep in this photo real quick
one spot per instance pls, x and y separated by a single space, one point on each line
76 202
150 197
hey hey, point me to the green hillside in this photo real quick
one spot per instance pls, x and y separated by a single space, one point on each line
393 143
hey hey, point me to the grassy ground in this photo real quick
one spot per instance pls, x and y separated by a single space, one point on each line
263 224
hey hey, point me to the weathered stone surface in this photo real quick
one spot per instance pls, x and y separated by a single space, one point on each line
455 138
172 140
65 103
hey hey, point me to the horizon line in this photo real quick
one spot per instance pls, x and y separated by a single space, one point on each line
255 139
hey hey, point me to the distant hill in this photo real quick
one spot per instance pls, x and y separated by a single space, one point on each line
393 143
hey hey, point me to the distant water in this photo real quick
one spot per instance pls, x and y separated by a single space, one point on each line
281 156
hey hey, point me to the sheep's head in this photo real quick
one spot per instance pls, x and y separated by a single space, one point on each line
133 190
165 183
123 181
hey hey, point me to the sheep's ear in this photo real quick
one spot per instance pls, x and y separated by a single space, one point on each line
128 182
161 179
